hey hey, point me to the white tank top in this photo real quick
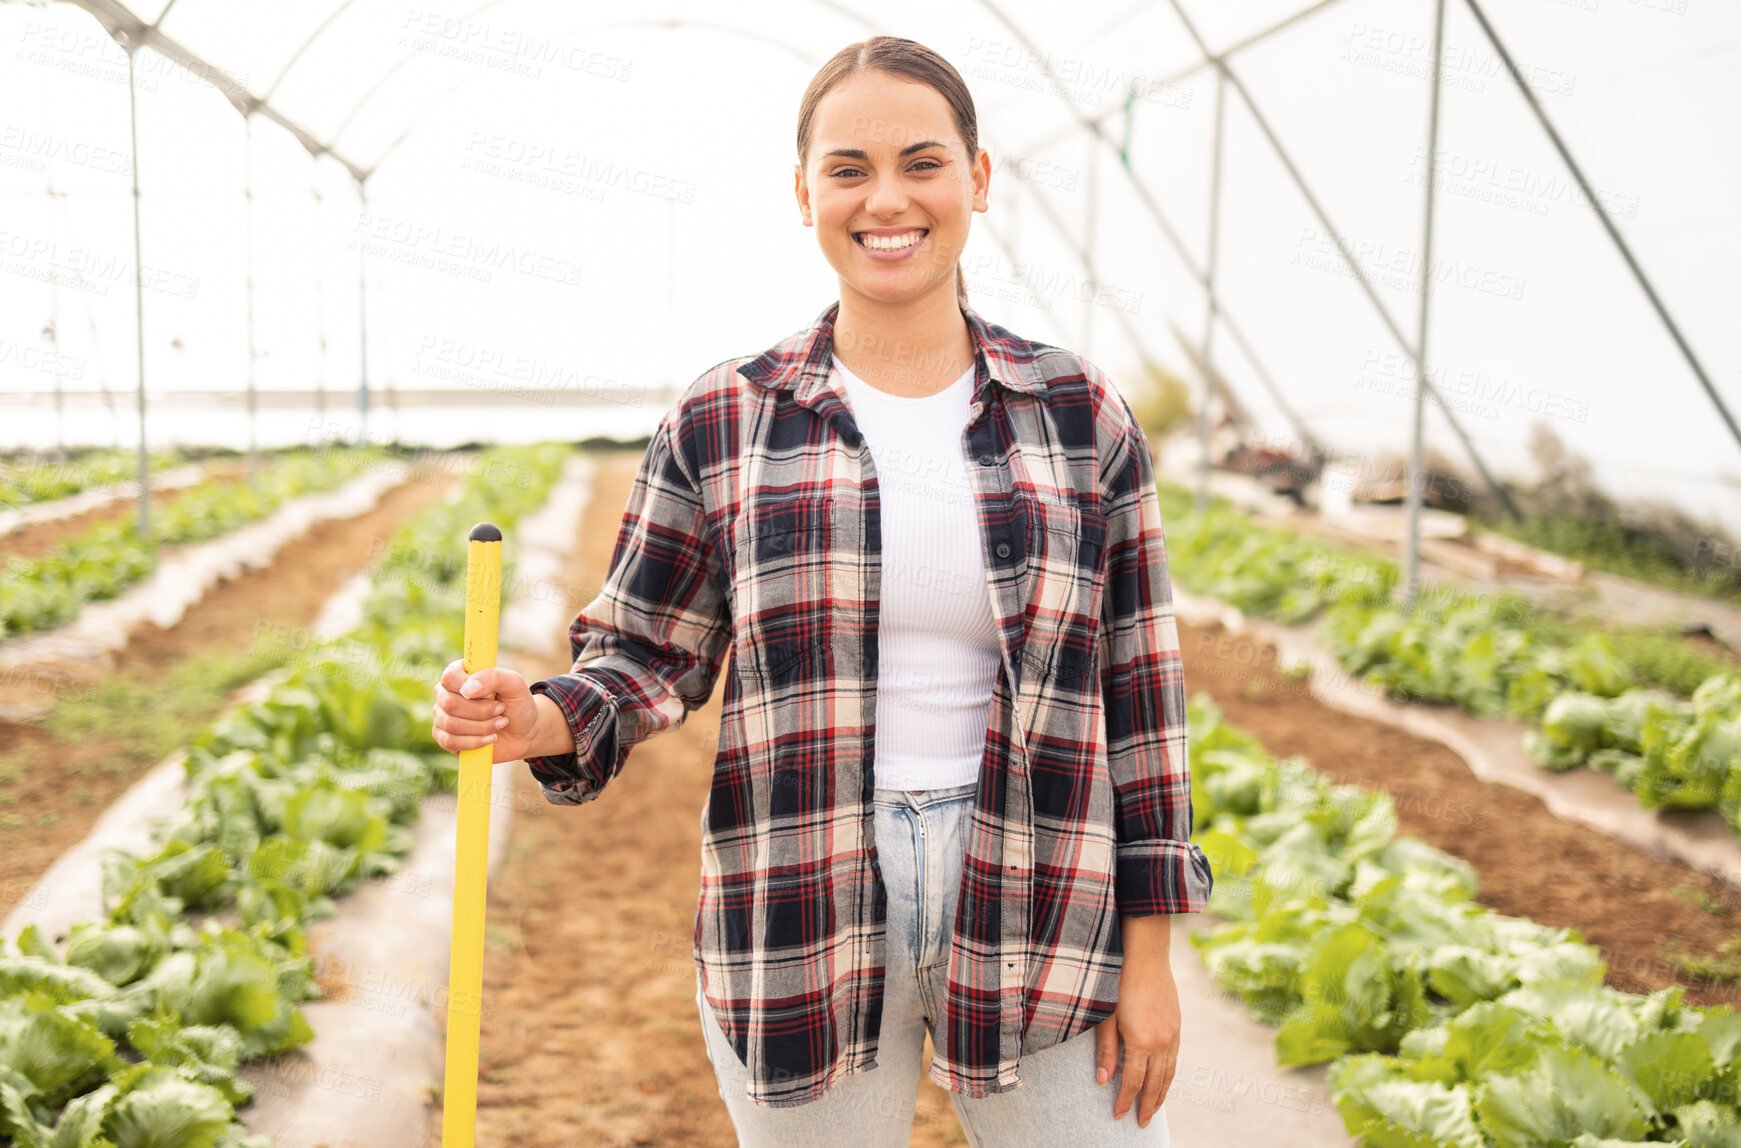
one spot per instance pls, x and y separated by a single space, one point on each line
938 657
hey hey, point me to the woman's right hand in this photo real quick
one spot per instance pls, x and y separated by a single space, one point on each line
493 707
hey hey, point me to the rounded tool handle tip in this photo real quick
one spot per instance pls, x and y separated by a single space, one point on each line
485 532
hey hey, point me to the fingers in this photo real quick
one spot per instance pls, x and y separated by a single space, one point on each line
493 682
450 701
465 727
461 723
467 709
456 734
1154 1088
1130 1084
463 709
454 744
1105 1049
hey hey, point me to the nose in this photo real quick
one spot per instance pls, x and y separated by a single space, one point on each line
886 196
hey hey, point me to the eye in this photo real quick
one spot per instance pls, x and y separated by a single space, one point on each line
852 172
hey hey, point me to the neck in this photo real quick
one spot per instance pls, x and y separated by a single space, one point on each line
918 345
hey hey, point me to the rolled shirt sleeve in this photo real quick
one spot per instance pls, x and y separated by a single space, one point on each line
648 648
1159 870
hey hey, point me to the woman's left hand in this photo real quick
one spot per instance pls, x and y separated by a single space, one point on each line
1147 1018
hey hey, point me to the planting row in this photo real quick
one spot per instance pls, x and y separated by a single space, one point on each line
1448 1025
25 482
1664 719
132 1036
48 591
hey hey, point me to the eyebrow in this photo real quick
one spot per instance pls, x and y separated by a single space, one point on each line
857 153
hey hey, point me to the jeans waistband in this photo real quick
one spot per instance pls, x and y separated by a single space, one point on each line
926 796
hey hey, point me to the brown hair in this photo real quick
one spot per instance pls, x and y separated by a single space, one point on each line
909 60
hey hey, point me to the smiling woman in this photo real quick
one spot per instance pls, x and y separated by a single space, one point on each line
900 505
889 173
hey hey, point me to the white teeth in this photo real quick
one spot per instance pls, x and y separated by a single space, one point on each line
891 242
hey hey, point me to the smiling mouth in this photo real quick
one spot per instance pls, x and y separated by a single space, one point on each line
890 242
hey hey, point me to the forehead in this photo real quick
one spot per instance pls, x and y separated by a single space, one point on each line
874 111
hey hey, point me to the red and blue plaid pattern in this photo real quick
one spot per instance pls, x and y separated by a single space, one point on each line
751 538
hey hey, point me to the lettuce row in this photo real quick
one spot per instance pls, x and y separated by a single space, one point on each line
132 1037
1580 697
1266 573
41 593
41 480
1447 1025
1682 753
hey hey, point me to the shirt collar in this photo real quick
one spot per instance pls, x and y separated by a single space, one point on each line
802 360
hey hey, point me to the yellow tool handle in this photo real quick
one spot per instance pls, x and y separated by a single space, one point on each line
465 977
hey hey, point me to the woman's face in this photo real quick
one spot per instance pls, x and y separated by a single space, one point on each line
887 164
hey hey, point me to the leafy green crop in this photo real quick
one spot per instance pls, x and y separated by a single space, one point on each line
132 1037
41 593
1447 1025
43 480
1490 655
1272 573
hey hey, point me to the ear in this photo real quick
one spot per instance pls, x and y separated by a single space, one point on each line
802 191
981 180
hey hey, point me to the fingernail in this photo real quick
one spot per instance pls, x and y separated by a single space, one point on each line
1100 1075
470 687
489 738
500 722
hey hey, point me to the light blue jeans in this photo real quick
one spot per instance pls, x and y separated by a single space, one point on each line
920 844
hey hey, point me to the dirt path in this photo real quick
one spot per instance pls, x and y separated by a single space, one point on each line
591 1036
53 788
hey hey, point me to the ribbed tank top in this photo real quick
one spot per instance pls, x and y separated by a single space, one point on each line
937 646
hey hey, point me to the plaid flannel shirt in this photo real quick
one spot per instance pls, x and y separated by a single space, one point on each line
751 530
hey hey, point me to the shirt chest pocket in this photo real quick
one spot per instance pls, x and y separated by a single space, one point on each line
782 573
1067 578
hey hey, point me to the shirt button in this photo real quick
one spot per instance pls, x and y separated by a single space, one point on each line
1003 549
985 460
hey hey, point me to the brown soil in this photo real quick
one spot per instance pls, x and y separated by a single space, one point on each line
591 1035
1712 648
40 538
1503 566
290 592
66 786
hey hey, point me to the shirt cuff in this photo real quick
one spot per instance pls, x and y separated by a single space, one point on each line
577 777
1163 875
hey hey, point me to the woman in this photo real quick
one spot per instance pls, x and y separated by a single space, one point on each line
904 513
